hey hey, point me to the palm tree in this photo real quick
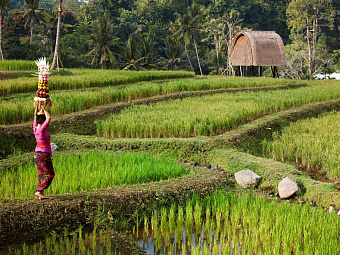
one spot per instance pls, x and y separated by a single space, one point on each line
133 61
56 49
33 14
3 5
188 28
103 37
214 31
173 52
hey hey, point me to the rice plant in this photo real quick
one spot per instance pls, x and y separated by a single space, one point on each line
16 65
312 144
18 108
208 115
251 226
76 243
83 171
87 78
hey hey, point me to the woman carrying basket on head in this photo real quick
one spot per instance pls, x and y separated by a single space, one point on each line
43 152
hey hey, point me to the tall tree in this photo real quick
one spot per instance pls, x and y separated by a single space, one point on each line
33 14
56 49
173 53
231 22
102 38
3 5
214 31
188 28
306 18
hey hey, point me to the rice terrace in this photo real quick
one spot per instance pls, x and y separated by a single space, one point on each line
147 163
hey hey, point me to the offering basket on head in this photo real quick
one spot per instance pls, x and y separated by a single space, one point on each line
42 97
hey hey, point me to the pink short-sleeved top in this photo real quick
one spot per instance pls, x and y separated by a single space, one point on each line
42 136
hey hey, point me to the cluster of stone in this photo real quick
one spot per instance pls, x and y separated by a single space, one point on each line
287 188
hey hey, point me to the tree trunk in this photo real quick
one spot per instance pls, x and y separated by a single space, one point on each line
315 37
1 55
56 49
217 49
31 31
186 52
309 49
198 59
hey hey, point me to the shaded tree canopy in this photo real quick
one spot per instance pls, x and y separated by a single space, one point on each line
172 34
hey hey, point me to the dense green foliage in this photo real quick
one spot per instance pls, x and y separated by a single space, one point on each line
91 170
175 34
312 144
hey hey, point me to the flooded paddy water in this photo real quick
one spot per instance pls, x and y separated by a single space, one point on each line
223 223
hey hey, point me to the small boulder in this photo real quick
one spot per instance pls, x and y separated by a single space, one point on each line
54 147
247 178
338 213
330 209
337 184
214 168
287 188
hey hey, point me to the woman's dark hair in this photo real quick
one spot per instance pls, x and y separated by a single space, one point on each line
40 119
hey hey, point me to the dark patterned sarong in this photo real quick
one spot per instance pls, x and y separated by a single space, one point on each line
45 169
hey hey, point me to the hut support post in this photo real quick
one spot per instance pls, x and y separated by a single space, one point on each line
275 72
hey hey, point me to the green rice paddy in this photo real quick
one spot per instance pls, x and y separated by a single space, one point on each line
85 78
223 223
227 223
208 115
312 144
18 108
92 170
15 65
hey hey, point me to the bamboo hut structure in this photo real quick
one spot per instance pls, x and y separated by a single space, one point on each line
257 49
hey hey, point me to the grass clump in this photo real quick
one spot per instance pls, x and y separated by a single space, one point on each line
312 144
244 224
79 242
92 170
10 65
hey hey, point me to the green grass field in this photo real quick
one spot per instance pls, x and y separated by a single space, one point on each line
312 144
85 171
209 115
187 132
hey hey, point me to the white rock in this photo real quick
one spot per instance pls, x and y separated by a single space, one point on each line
331 209
288 187
338 213
54 147
247 178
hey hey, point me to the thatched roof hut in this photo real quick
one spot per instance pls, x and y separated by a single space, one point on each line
257 48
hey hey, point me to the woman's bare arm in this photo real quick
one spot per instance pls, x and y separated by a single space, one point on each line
48 116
